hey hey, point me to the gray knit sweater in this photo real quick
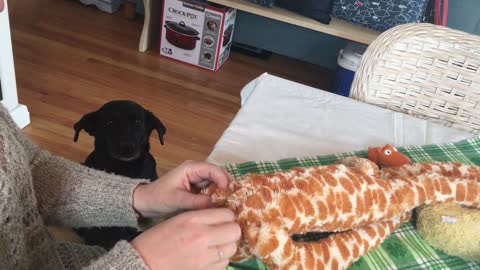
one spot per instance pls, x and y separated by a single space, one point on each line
38 189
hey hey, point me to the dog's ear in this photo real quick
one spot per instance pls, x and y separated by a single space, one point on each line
87 123
152 122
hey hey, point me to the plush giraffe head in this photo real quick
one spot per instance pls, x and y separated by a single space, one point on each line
355 203
387 156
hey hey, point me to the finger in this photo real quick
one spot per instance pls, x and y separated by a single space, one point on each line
203 184
226 233
212 216
224 252
229 176
220 255
200 171
188 200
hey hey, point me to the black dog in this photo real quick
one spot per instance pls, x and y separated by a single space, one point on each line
121 130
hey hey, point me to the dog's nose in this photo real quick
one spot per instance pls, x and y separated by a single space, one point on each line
127 149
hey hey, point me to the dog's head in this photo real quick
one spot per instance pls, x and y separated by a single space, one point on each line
121 128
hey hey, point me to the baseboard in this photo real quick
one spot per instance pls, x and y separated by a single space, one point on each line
20 115
250 50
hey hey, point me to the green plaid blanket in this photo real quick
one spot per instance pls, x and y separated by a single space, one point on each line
404 249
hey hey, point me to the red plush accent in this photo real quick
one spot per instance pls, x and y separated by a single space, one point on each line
387 156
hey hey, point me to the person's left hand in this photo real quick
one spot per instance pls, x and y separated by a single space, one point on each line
179 189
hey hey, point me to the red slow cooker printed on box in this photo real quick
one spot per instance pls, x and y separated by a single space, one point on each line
197 32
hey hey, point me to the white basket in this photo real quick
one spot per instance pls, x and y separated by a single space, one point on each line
423 70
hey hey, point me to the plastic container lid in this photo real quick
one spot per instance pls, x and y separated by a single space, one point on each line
350 57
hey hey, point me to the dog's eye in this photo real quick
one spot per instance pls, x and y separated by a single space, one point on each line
109 123
138 122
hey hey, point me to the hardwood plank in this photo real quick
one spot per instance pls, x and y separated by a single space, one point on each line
70 59
336 27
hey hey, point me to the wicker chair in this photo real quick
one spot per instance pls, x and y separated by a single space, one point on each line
423 70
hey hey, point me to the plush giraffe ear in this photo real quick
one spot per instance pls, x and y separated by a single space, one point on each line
373 154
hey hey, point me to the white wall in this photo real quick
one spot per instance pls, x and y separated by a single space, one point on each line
7 74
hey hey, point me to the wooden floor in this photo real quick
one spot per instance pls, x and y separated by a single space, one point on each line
70 59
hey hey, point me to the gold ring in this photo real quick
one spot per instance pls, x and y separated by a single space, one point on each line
220 254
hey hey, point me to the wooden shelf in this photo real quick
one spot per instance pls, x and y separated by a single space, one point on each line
336 27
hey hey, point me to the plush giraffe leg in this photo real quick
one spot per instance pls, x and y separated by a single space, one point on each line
439 182
321 203
447 169
335 252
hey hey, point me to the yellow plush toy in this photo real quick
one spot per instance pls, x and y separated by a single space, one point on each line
451 228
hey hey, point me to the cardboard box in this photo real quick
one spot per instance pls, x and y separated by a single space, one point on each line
197 32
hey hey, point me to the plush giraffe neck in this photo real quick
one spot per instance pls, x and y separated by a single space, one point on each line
362 204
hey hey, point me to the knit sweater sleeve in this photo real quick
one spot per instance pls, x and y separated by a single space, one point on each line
70 194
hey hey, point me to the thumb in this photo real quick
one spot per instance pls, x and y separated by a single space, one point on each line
194 201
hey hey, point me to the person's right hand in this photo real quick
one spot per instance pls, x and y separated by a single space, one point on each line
195 240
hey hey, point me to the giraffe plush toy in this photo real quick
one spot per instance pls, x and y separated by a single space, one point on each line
354 201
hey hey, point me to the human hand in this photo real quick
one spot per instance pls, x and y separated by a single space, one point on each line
195 240
2 5
179 189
